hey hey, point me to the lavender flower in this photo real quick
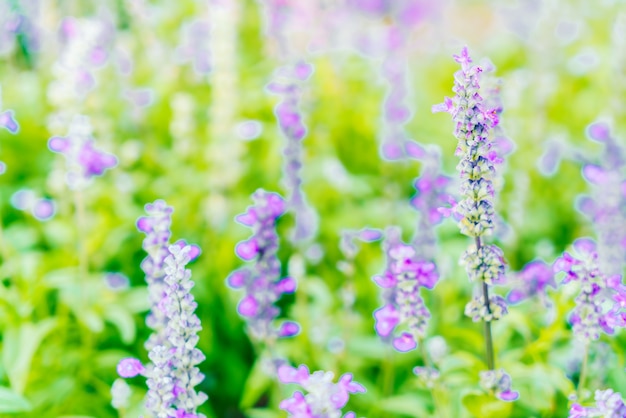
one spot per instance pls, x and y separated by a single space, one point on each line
609 404
262 282
498 381
174 376
156 226
84 161
289 118
533 280
601 303
324 399
606 205
403 305
194 46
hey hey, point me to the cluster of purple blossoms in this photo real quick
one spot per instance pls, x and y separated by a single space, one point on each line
533 280
84 160
324 399
431 192
286 84
475 213
403 305
499 382
601 303
609 404
172 374
606 207
262 281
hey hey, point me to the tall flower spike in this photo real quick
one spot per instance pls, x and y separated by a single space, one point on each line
605 206
403 305
84 161
324 399
262 282
287 84
174 376
474 122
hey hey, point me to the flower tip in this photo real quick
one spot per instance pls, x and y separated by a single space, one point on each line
7 120
144 225
247 250
248 306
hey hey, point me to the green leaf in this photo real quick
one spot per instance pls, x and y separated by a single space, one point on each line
256 385
408 404
11 402
123 321
486 406
20 345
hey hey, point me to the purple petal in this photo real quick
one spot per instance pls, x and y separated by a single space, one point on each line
129 367
248 306
247 250
59 144
599 131
44 209
303 70
595 174
288 329
7 120
405 342
387 318
144 224
286 285
508 395
370 235
238 278
415 150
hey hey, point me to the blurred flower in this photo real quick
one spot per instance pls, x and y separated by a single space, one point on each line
194 46
120 394
262 281
499 382
116 281
289 118
403 305
601 303
609 404
42 209
84 161
324 399
533 280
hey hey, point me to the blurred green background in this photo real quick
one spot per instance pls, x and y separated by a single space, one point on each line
61 335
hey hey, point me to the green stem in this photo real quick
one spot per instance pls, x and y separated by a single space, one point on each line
487 324
583 373
438 409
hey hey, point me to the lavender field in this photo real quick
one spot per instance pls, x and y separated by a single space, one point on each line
312 208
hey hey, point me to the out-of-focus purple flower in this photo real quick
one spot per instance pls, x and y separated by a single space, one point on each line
348 245
599 305
194 46
605 206
7 121
84 161
324 399
249 129
262 282
533 280
142 97
26 200
116 281
130 367
287 84
44 209
403 305
498 381
609 404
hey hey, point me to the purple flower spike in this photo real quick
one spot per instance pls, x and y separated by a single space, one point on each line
405 342
261 282
7 120
84 161
130 367
533 280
